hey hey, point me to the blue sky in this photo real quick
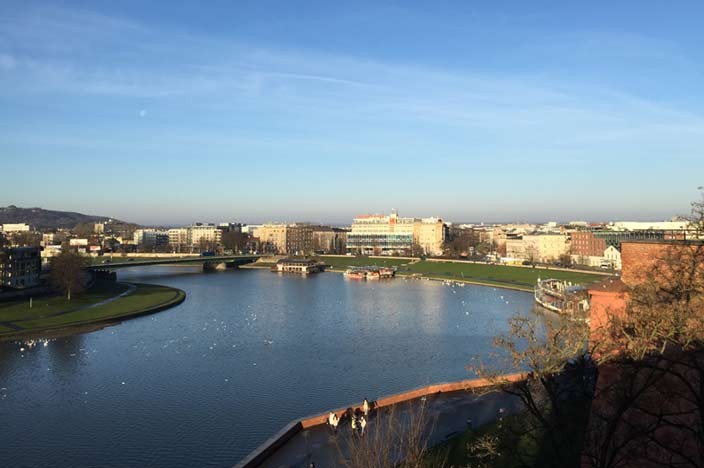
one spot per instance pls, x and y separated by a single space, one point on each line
252 111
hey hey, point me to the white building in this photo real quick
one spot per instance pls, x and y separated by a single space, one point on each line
204 233
649 225
17 227
48 239
250 228
612 257
150 237
178 237
50 251
430 235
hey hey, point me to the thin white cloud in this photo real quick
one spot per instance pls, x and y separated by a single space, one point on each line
7 62
387 102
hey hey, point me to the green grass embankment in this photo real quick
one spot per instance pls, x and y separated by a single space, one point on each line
51 305
496 275
504 276
52 312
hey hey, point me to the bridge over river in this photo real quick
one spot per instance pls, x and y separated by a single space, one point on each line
209 262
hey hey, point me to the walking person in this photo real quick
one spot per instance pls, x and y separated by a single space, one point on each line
354 424
365 408
332 421
362 425
335 421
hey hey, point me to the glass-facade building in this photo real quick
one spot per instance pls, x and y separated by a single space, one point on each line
381 235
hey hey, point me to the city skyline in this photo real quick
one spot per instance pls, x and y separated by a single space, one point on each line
345 222
258 112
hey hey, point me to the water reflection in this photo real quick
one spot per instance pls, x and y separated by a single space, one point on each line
207 381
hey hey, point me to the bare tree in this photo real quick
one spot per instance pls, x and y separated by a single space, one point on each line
67 275
417 250
565 259
26 239
84 230
460 242
396 437
235 241
558 372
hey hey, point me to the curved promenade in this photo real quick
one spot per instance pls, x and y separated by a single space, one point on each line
451 407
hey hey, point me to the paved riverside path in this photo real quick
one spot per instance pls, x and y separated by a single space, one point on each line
130 289
449 411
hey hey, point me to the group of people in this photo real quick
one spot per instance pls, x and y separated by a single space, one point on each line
358 418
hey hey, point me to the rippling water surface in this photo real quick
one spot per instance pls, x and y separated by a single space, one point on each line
206 382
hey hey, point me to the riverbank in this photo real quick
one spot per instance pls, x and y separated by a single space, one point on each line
498 276
481 274
105 302
503 276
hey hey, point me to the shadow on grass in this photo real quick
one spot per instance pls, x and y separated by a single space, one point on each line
513 442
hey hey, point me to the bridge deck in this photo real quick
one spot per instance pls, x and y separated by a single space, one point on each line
237 259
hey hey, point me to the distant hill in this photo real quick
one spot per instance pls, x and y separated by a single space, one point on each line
47 219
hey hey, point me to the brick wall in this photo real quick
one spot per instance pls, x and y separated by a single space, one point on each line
585 243
638 258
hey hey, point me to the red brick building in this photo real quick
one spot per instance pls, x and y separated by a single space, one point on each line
638 259
587 244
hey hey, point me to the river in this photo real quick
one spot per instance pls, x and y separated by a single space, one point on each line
206 382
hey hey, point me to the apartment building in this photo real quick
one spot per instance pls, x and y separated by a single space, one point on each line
430 234
288 239
150 238
515 248
16 227
328 239
20 267
204 234
178 237
545 248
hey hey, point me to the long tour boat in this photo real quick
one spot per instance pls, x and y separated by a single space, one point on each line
563 297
